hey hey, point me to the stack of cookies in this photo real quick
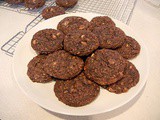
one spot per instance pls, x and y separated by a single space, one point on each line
82 56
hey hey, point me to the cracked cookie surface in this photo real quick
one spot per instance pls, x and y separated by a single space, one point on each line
130 48
66 3
36 70
76 92
105 66
81 43
101 21
110 37
73 23
130 79
52 11
63 65
32 4
47 41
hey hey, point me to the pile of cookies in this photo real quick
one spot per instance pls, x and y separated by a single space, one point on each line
33 4
82 56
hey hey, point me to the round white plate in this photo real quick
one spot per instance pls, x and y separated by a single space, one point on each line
43 94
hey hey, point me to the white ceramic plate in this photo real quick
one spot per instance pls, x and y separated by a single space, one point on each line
43 94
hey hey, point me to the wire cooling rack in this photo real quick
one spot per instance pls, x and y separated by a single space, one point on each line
118 9
20 8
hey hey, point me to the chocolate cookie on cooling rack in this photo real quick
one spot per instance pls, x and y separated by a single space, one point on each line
66 3
14 1
52 11
76 92
47 41
32 4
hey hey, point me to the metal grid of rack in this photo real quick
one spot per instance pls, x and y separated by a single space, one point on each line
118 9
9 46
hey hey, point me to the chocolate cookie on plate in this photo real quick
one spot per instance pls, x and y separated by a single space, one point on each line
110 37
63 65
52 11
130 48
66 3
76 92
101 21
130 79
32 4
47 41
81 43
36 70
73 23
105 66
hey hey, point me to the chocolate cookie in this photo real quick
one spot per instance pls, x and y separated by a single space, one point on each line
14 1
101 21
63 65
110 37
76 92
72 23
81 43
36 70
130 48
32 4
66 3
52 11
105 66
47 41
130 79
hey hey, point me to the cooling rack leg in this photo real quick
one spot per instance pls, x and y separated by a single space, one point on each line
33 23
10 45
